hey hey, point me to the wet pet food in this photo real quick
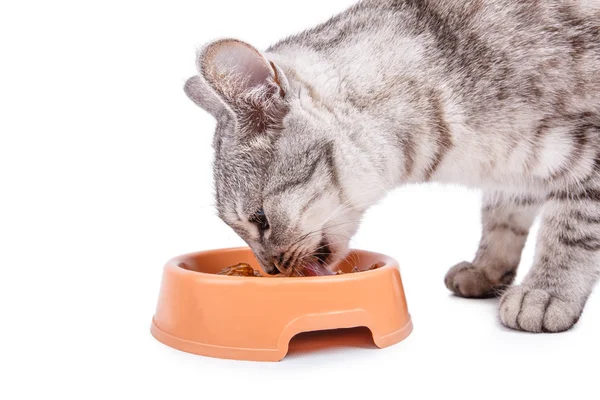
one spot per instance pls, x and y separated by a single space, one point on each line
239 270
244 269
355 269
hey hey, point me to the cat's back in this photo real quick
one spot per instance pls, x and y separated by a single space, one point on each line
543 54
500 73
531 51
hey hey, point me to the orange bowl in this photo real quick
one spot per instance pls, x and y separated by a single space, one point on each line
254 318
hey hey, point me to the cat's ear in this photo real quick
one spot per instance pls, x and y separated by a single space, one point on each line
201 94
240 74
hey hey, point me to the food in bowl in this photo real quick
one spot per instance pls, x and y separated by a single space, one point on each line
243 269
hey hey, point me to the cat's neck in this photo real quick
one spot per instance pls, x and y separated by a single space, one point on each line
403 130
405 126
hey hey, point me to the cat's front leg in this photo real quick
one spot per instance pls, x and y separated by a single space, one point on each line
566 267
506 221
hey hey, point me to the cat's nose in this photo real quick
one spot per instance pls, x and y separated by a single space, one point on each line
272 271
266 263
280 267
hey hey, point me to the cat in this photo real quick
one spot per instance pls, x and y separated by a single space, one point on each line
498 95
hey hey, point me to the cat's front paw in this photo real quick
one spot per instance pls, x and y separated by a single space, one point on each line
536 310
466 280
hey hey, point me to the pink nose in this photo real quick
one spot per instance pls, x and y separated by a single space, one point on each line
277 262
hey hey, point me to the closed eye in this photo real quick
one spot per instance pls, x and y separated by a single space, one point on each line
260 220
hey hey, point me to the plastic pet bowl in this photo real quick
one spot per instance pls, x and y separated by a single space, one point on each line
254 318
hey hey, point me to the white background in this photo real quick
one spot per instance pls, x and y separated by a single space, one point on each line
105 171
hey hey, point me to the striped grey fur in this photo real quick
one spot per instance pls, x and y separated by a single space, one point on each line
502 95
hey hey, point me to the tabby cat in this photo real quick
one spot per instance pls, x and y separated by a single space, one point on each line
500 95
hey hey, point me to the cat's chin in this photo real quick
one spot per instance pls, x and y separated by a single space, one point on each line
338 254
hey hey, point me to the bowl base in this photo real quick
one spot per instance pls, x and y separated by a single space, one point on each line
260 355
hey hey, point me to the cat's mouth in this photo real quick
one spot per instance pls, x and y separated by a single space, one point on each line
318 265
314 265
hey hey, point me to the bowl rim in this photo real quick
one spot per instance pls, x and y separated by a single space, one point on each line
176 262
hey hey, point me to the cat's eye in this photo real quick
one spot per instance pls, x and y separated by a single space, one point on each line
260 219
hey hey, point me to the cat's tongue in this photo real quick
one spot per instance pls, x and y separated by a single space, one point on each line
315 269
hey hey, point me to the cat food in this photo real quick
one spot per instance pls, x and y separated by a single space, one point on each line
244 269
241 269
376 266
355 269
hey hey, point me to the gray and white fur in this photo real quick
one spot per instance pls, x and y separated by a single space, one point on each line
500 95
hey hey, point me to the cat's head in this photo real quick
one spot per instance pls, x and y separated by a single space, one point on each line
277 170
